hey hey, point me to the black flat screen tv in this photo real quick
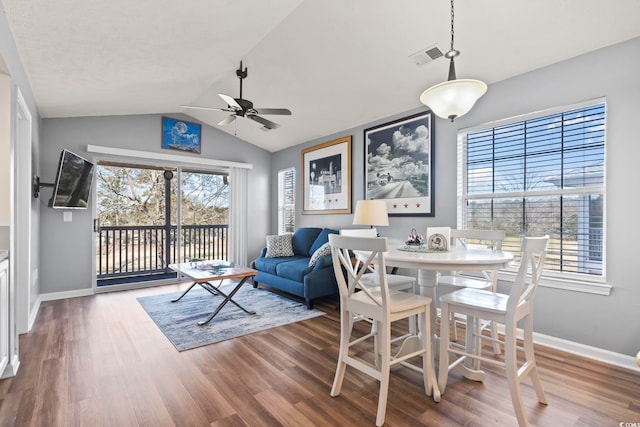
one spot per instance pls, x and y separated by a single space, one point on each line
73 182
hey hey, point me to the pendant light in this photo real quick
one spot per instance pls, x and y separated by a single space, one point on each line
455 97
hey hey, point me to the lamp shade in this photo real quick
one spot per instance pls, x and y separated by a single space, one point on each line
371 212
453 98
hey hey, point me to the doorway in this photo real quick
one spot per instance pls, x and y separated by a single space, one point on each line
149 217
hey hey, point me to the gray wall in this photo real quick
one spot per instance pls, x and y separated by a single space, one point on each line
66 247
607 322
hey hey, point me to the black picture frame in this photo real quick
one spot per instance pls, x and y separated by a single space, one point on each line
400 165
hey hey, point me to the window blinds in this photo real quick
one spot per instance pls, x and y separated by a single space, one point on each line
542 175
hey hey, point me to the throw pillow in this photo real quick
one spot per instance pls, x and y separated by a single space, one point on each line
319 253
278 246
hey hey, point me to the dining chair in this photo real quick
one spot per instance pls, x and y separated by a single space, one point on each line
395 281
384 306
506 309
491 239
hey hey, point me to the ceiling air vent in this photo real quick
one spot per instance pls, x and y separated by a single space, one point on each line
426 55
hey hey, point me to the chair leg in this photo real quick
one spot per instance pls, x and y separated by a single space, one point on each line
530 359
511 365
494 336
346 325
454 330
443 368
384 332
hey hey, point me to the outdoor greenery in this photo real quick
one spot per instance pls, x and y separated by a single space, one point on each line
132 196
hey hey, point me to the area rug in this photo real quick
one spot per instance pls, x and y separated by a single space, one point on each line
179 320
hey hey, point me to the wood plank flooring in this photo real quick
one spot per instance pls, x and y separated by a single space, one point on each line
101 361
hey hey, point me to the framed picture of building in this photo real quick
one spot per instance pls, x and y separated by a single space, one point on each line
326 174
400 165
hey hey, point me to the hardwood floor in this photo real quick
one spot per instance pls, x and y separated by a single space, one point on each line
101 361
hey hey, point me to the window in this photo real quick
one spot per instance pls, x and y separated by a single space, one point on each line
541 174
286 201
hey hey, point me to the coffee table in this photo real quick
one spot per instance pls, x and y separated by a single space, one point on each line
204 272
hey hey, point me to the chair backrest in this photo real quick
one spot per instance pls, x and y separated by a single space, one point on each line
492 239
349 276
360 232
534 252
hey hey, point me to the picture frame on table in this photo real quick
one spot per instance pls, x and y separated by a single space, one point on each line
326 175
181 135
400 164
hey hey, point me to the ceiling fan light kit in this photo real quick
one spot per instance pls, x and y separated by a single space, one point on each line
455 97
240 107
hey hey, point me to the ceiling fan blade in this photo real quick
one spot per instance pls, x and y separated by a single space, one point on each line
227 120
277 111
268 124
231 102
199 107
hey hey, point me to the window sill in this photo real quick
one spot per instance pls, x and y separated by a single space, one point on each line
576 284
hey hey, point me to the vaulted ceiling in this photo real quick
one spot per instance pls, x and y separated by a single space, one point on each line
335 64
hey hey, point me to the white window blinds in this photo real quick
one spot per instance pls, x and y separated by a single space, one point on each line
541 175
286 201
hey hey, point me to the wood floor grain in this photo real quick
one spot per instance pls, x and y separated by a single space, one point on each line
101 361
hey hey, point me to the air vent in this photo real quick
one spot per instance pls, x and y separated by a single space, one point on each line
426 55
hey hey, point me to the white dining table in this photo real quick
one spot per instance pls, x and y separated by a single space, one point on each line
429 263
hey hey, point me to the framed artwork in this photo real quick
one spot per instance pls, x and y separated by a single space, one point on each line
400 164
326 174
181 135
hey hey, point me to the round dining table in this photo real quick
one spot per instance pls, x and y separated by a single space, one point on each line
428 263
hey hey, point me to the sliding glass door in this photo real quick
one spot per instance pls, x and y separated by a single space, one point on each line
150 217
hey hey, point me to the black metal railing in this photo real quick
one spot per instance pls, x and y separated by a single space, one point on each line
130 251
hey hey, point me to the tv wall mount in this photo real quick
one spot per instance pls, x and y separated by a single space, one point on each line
37 185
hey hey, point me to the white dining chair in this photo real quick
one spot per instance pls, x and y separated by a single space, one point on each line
504 309
395 281
384 306
490 239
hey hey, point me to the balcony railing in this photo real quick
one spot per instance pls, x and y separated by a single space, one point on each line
136 251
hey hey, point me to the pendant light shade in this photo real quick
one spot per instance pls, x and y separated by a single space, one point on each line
455 97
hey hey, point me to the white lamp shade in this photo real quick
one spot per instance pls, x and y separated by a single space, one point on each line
371 212
453 98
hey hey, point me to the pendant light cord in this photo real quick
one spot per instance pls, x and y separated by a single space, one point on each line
452 25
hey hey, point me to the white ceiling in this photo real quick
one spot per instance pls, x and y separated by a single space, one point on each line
335 64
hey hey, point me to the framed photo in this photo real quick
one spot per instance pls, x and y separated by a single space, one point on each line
326 173
400 164
181 135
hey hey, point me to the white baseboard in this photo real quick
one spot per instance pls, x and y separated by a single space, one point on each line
594 353
34 313
52 296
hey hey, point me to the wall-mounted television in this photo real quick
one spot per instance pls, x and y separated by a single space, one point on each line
73 182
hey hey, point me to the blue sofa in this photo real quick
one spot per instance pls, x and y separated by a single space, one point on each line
292 274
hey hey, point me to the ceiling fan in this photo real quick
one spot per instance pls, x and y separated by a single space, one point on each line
244 108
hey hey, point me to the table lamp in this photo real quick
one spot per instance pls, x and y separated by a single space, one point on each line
371 213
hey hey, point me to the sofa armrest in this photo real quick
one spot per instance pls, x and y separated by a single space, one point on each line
323 262
263 252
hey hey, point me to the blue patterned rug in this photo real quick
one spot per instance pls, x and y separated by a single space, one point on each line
179 320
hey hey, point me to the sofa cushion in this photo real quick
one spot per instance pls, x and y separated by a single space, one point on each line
294 269
269 265
319 253
279 246
322 238
302 240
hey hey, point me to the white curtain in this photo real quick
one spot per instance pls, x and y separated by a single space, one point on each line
238 223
